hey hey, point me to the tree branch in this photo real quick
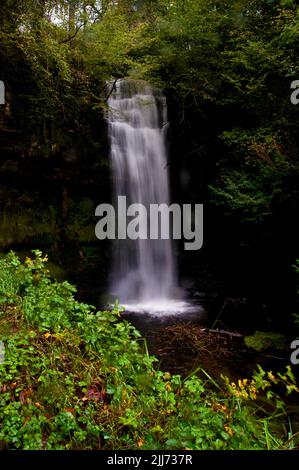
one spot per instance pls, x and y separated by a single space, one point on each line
112 89
70 38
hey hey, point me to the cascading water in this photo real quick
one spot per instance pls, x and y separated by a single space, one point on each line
144 271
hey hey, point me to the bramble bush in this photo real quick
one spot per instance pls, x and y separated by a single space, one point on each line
75 378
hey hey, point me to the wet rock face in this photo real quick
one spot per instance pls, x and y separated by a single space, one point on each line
59 220
52 176
71 155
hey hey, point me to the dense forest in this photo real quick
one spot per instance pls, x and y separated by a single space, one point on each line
77 376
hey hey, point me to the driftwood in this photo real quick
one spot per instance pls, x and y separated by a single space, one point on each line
183 346
223 332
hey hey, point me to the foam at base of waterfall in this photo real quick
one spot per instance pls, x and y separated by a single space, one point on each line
162 307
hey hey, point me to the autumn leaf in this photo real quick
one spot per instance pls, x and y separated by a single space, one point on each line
25 395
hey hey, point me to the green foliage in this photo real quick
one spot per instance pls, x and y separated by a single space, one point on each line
180 40
109 45
261 341
48 89
254 179
74 378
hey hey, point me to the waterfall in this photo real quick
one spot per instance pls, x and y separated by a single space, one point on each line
144 271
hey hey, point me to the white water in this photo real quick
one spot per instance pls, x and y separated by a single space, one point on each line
144 271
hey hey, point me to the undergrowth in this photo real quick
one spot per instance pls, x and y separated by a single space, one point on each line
76 378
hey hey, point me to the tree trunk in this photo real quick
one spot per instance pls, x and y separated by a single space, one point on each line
72 19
